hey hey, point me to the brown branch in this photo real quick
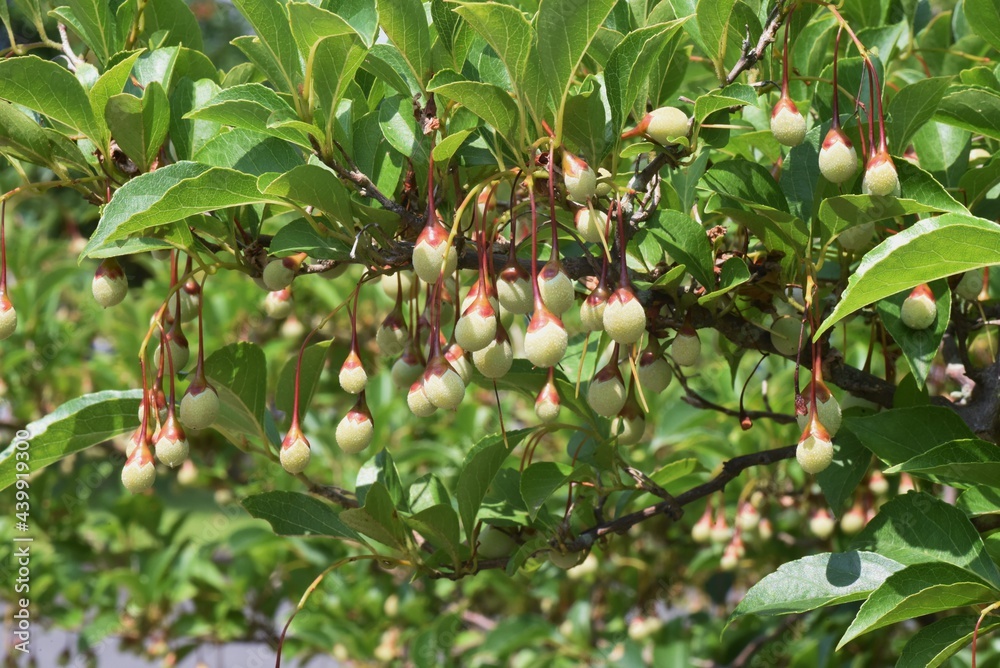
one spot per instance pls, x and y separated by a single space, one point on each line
337 495
752 54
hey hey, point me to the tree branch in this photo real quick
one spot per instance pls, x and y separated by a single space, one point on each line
752 54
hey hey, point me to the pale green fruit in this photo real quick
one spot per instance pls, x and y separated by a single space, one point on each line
829 413
172 451
355 432
556 289
606 395
295 456
443 385
838 159
785 331
277 276
667 124
630 429
853 521
919 311
514 291
390 283
109 285
788 125
392 339
579 179
592 314
545 346
278 305
477 327
604 183
565 560
179 352
881 178
199 411
701 532
495 360
814 454
353 377
858 238
8 318
432 253
590 224
654 375
822 524
138 476
405 371
686 348
624 318
494 543
418 402
968 288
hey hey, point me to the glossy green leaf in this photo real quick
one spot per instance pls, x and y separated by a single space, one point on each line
816 581
935 643
972 108
733 95
478 469
311 23
929 250
405 22
746 182
439 525
733 274
250 106
94 22
565 29
377 519
297 514
918 528
274 35
24 139
172 193
446 149
300 236
900 434
175 17
312 185
850 464
686 241
381 469
977 501
188 136
961 463
919 346
51 90
140 125
74 426
111 83
489 102
913 106
541 480
920 589
400 129
332 65
985 20
238 372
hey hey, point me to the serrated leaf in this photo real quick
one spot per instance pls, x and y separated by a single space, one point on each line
312 185
311 23
733 95
175 17
489 102
931 249
972 108
439 525
331 66
816 581
249 152
94 22
978 501
297 514
920 589
270 22
377 519
686 241
74 426
238 372
918 528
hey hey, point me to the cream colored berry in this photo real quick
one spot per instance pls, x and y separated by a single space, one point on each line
138 475
814 454
858 238
495 360
109 285
444 387
838 160
278 305
565 560
277 275
405 371
418 402
667 124
172 451
589 224
828 412
592 314
579 179
392 283
788 125
476 328
180 353
515 295
557 291
546 345
701 532
354 433
822 524
630 429
853 521
881 178
606 396
624 318
295 456
391 340
8 320
919 311
686 348
655 375
199 411
431 254
785 333
969 288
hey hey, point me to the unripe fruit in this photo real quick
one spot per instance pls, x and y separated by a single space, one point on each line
653 372
432 253
278 304
391 283
721 532
547 404
730 558
199 407
171 443
188 473
139 472
592 309
858 238
418 402
392 335
881 178
815 451
565 560
662 126
353 377
838 159
407 369
514 289
827 410
970 288
459 361
686 348
279 273
8 317
494 543
785 332
821 524
919 309
295 452
355 431
589 224
190 296
443 385
556 288
495 360
765 529
478 325
853 520
578 177
630 428
180 352
878 485
905 484
109 285
606 392
641 629
787 124
604 182
701 532
546 340
624 317
748 518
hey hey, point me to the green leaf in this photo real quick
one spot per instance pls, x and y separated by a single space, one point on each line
249 152
920 589
238 372
489 102
270 23
900 434
95 24
312 185
542 479
714 24
299 235
444 151
918 528
929 250
565 29
478 469
686 241
919 346
913 106
816 581
111 83
426 491
140 125
175 17
24 139
51 90
585 123
311 23
381 469
332 64
297 514
746 182
74 426
400 129
733 274
251 107
733 95
978 501
961 463
378 519
985 20
439 525
840 213
972 108
842 477
935 643
629 67
405 22
189 136
313 361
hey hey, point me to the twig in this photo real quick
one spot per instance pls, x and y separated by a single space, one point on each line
337 495
752 54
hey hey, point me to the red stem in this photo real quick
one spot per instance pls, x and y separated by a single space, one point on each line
3 247
552 205
835 106
534 247
784 73
623 281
